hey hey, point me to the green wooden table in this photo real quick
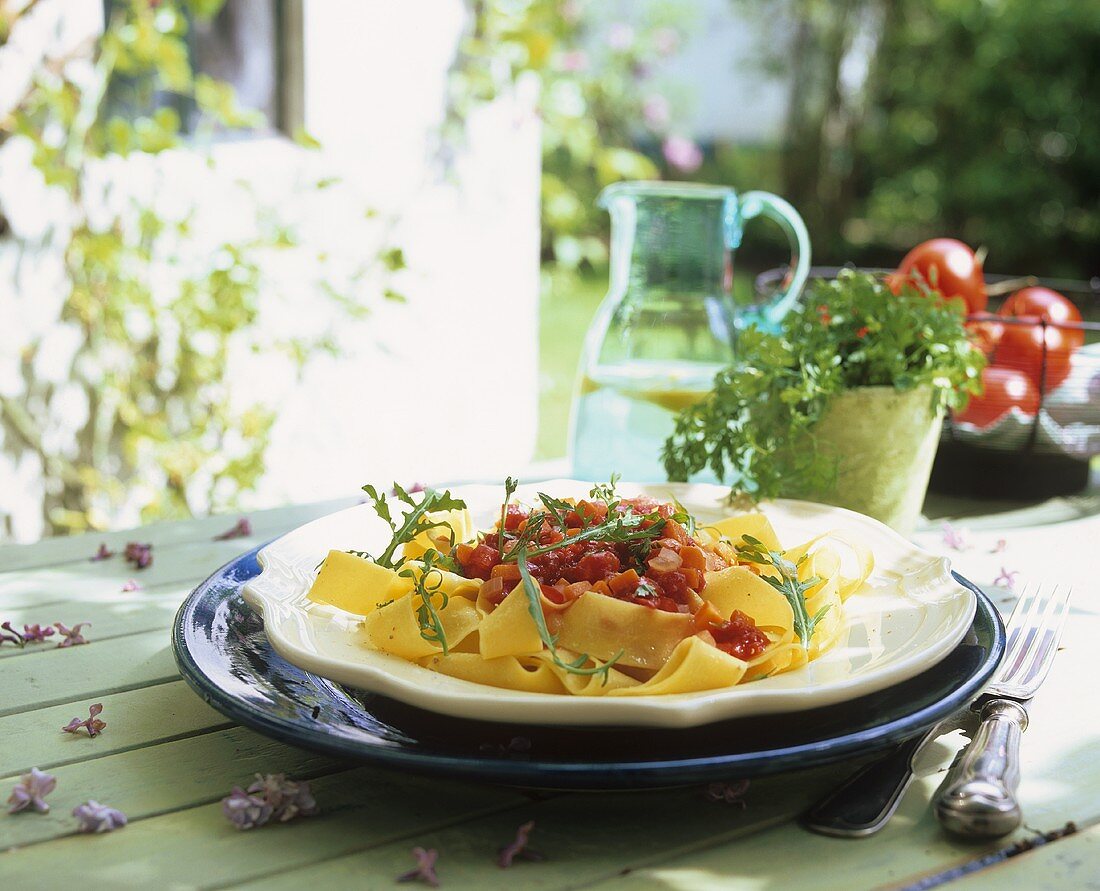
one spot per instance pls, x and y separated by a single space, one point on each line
166 759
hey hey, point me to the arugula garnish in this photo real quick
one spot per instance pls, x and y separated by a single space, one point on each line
413 523
788 584
606 491
534 605
623 528
426 584
558 509
510 486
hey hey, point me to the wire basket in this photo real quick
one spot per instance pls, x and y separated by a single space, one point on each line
1030 443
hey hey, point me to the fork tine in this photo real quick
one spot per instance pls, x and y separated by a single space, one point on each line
1014 623
1021 630
1055 620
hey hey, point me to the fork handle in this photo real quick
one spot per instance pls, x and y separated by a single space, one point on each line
977 798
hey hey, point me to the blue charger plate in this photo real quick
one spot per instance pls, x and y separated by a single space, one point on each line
224 655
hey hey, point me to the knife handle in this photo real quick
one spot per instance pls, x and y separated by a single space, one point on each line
977 798
866 801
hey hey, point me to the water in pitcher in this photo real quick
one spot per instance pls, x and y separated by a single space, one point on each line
624 413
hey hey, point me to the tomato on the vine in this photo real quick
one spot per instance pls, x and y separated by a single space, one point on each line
1004 389
1049 305
945 265
1021 348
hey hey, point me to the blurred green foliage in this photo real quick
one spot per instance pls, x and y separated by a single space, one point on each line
983 123
599 93
910 119
907 119
145 416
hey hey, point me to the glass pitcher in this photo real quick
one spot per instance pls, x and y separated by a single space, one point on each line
668 322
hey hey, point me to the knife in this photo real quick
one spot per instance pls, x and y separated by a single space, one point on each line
864 803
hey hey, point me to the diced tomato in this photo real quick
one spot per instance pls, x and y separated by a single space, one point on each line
643 597
514 515
479 562
672 584
739 637
674 565
549 535
597 567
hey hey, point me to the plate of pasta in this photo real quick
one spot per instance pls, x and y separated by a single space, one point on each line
563 603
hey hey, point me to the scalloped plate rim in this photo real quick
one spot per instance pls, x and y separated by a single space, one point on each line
285 619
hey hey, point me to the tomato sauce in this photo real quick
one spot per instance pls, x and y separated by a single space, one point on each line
665 573
665 577
740 637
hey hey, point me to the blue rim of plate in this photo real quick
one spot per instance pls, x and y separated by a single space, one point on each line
224 655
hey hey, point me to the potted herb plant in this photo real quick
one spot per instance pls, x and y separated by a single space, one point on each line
844 405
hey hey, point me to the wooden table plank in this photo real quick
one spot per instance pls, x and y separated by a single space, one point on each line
74 549
1070 862
134 719
183 566
158 779
198 847
584 838
114 615
53 676
787 855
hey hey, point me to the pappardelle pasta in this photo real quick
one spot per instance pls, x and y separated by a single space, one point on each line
600 596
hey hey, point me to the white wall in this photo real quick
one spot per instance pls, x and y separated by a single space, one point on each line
446 386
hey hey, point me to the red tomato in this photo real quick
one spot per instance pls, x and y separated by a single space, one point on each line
948 266
986 330
1003 388
1021 347
1049 305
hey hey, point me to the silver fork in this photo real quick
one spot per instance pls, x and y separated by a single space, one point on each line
977 798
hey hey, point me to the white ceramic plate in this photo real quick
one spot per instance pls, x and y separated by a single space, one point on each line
909 615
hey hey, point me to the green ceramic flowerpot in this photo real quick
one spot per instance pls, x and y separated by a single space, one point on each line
885 441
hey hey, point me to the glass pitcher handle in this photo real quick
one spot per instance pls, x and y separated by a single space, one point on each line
765 204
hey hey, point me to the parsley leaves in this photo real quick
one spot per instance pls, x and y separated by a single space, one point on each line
755 429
